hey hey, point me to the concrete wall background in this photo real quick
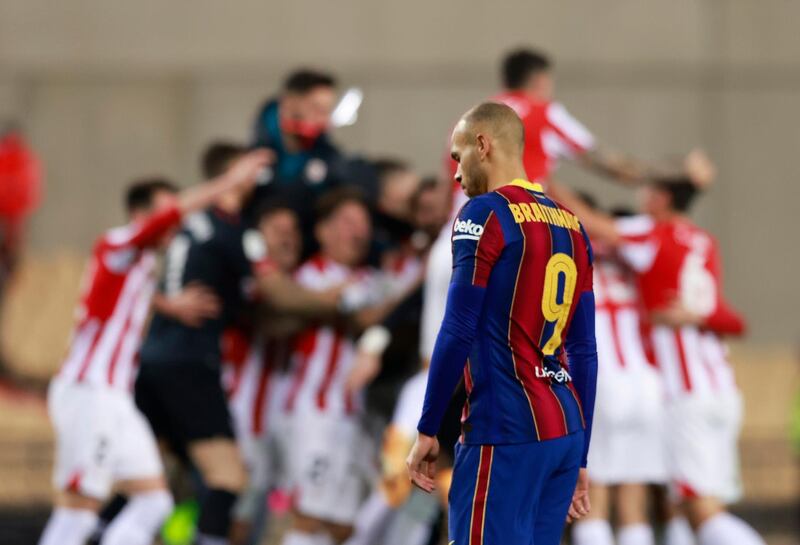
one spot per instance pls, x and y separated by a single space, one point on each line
110 90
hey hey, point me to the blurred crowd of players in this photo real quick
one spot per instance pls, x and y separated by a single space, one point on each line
269 330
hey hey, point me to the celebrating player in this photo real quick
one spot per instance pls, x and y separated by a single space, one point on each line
102 441
627 452
520 294
678 270
256 358
179 386
551 133
327 454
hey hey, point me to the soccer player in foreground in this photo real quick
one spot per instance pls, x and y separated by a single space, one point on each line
520 294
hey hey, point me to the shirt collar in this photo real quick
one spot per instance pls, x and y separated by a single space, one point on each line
525 184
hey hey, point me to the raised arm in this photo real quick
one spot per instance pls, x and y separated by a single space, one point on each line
618 166
599 225
150 231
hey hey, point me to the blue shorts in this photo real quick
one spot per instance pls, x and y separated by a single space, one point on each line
516 494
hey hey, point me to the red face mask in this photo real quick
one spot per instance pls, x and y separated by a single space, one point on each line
306 131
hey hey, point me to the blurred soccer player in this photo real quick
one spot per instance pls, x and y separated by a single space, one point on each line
678 270
520 294
327 449
257 361
627 452
179 385
551 133
102 439
380 518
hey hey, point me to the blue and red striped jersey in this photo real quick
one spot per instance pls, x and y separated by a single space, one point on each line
530 261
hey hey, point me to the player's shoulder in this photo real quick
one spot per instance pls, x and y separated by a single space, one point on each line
116 236
114 251
311 271
475 213
477 207
199 226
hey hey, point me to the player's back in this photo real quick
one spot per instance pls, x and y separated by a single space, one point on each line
677 260
534 260
215 250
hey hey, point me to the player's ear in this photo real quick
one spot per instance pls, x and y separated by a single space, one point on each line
482 145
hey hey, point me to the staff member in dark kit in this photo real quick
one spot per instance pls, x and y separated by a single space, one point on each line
295 125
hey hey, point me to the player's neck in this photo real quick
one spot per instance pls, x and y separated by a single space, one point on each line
668 215
504 176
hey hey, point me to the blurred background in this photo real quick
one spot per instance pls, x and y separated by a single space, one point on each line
108 91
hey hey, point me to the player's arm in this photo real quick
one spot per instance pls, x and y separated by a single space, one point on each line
149 232
616 165
191 306
599 225
574 141
243 172
474 255
581 348
284 294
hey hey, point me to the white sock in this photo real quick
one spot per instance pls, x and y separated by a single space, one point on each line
371 520
68 527
140 519
636 534
295 537
678 532
592 532
725 529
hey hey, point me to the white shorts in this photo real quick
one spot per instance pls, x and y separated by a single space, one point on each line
101 438
628 443
328 458
702 437
264 455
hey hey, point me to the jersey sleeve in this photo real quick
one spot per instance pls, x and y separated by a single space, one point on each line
581 347
724 320
637 244
572 134
477 243
119 248
147 232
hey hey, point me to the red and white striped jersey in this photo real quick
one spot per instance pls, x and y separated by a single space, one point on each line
618 324
678 260
256 379
117 288
324 354
551 133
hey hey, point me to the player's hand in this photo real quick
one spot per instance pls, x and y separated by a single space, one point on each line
676 315
195 304
365 368
421 463
699 167
247 168
580 505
